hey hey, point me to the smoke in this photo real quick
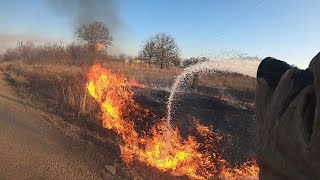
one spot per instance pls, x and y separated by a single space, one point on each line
86 11
10 40
78 12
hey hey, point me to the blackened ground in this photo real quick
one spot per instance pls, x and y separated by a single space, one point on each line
235 123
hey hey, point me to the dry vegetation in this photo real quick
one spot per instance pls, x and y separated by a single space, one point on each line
64 85
58 85
153 75
231 81
61 89
145 73
54 76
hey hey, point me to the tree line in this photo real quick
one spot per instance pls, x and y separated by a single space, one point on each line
95 39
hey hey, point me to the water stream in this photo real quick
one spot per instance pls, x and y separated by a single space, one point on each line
245 67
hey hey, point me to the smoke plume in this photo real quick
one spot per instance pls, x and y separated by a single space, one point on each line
86 11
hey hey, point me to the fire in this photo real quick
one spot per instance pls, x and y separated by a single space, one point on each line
99 46
161 147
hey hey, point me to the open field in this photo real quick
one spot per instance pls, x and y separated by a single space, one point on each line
61 90
63 87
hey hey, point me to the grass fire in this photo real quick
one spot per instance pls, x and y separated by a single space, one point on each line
160 146
159 90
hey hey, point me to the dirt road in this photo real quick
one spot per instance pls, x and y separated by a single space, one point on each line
30 148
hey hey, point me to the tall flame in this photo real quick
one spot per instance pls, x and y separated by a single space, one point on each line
160 146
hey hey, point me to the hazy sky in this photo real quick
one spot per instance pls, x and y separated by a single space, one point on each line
285 29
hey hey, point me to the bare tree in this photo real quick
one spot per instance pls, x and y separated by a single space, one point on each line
148 51
163 49
11 54
122 57
93 33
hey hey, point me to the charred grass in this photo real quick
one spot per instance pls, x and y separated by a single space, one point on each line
61 90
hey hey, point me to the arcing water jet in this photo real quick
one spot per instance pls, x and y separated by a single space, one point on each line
245 67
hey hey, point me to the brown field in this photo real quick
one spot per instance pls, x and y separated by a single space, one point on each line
63 87
61 90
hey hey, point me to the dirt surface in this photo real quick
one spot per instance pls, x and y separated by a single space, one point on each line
31 148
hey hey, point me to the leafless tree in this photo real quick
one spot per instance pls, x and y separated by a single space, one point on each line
11 54
25 50
93 33
148 51
163 49
166 50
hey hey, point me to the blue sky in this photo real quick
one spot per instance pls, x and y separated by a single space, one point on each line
286 29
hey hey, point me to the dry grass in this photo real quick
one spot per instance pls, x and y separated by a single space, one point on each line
66 84
145 73
152 74
63 88
234 81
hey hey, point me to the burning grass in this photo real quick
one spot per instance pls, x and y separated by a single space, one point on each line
161 147
65 89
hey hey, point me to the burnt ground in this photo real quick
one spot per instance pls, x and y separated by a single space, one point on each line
236 123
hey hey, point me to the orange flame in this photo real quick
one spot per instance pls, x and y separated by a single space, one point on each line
160 147
99 46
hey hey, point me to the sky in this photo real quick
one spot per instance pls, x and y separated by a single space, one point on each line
286 29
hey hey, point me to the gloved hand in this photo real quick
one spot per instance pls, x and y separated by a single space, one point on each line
287 115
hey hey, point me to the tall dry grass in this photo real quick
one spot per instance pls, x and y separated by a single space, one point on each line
145 73
231 81
63 87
